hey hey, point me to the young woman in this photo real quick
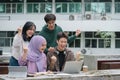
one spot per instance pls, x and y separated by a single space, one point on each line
35 58
21 40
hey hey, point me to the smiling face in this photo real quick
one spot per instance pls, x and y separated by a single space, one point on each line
62 43
30 31
42 47
51 24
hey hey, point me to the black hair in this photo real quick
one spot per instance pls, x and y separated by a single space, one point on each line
61 35
28 25
49 17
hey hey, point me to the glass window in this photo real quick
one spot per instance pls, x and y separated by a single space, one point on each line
7 42
2 42
98 7
29 8
117 43
42 8
87 43
77 43
48 7
19 8
87 7
58 8
3 34
117 0
13 8
117 34
117 7
95 41
8 8
78 7
64 8
108 7
71 7
45 8
2 8
101 43
10 34
74 7
88 34
39 0
35 8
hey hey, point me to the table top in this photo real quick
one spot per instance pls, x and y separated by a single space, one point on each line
91 75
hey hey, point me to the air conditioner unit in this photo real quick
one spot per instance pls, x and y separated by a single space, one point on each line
88 16
71 17
104 18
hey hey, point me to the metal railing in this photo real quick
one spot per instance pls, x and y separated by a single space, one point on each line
5 18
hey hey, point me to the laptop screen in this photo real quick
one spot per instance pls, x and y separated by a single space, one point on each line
17 71
73 67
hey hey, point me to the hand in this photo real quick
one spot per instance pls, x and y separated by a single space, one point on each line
51 49
53 60
25 49
78 54
19 30
77 32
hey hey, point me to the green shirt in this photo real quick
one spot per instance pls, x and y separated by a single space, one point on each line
51 36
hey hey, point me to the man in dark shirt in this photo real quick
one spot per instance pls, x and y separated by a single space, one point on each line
56 59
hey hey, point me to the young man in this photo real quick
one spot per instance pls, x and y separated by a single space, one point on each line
56 59
50 30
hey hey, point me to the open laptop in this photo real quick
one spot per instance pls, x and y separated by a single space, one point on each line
73 67
17 71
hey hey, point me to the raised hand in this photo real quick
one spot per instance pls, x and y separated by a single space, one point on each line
77 32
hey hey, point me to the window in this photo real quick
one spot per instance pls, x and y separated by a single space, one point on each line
39 7
68 7
117 7
19 8
117 40
6 38
2 8
32 8
95 41
74 8
98 6
76 43
11 8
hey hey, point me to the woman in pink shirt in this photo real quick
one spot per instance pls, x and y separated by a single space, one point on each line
34 57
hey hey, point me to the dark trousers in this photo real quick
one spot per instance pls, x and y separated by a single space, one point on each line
13 62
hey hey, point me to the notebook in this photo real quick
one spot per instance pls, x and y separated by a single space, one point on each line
17 71
72 67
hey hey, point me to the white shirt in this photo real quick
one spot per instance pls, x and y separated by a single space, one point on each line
18 44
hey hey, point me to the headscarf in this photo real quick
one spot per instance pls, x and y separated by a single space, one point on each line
34 54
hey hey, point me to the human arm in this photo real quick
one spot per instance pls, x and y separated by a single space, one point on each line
23 59
73 37
22 62
51 60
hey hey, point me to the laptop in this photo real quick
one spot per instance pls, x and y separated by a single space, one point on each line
17 71
73 67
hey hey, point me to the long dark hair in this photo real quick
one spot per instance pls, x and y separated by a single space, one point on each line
28 25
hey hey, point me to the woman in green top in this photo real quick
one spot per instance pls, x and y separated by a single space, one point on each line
50 31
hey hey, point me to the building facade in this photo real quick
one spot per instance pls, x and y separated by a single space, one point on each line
98 20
